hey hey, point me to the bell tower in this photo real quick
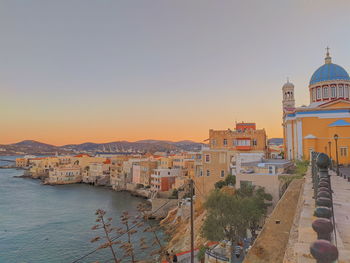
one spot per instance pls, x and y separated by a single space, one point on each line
288 101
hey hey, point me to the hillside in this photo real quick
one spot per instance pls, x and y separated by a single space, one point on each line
38 148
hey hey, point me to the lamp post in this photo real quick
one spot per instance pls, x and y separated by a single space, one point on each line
330 149
336 137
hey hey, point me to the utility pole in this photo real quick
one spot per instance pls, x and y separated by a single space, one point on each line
192 227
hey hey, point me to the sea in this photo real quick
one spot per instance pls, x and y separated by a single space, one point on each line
52 224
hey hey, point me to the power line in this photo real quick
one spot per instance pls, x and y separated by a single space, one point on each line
115 238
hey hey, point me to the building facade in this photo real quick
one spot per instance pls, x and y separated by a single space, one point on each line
243 144
64 175
164 179
314 127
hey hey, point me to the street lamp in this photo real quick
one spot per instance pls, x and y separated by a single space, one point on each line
330 149
336 137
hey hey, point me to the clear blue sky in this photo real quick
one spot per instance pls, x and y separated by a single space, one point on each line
83 70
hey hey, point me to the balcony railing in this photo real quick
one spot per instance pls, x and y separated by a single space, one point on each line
243 148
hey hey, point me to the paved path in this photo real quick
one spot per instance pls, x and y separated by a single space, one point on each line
345 170
341 201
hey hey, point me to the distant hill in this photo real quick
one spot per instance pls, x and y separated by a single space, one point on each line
138 146
38 148
29 147
276 141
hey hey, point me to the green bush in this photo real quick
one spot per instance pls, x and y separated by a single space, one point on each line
229 180
301 167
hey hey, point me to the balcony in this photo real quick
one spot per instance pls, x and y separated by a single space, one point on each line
243 148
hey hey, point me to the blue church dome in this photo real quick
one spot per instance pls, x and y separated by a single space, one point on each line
329 71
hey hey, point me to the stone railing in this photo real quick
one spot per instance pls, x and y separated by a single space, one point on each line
324 249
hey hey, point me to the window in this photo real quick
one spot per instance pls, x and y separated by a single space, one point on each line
271 169
334 92
346 92
208 173
225 142
318 93
243 142
341 91
313 94
213 142
207 158
255 143
344 151
222 173
234 142
200 173
325 92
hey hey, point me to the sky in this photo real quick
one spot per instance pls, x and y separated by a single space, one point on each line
109 70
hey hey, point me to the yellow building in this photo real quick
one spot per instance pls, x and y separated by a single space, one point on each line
313 127
226 149
165 162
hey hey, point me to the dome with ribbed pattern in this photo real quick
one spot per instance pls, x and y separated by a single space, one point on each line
329 71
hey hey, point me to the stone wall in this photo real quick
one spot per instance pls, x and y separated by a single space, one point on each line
271 243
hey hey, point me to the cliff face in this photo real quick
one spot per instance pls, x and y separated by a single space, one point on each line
177 225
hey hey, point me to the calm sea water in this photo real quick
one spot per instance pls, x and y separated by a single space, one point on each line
52 224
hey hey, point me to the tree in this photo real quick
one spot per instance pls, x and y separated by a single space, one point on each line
230 215
225 218
256 207
201 253
219 184
105 224
229 180
122 236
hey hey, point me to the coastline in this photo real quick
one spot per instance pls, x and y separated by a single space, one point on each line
44 221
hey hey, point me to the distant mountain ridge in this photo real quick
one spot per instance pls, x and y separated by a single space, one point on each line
35 147
276 141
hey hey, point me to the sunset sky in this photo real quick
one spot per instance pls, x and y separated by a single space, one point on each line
108 70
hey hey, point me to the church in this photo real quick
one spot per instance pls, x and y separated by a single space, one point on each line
323 125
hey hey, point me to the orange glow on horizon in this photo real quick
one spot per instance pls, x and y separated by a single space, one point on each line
47 135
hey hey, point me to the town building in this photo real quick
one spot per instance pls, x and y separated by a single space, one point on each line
265 173
163 180
165 162
64 175
120 173
244 144
22 162
141 172
97 173
40 166
315 127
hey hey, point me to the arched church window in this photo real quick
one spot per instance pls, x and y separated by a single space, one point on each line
341 91
313 94
346 91
334 92
325 92
318 93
